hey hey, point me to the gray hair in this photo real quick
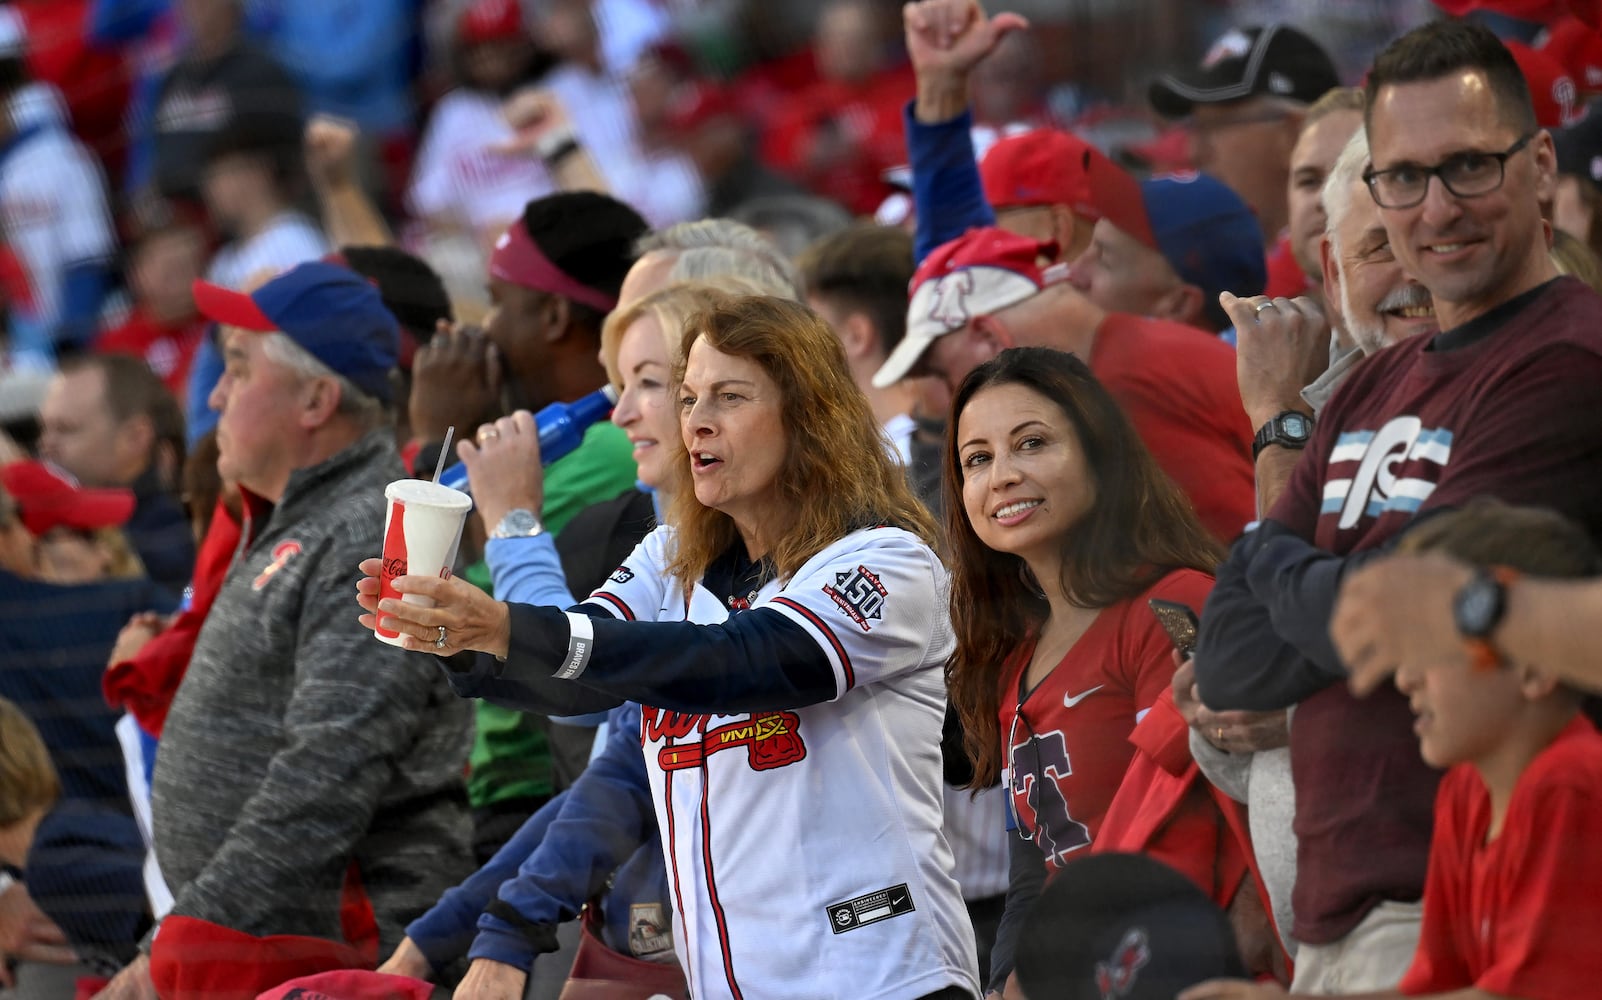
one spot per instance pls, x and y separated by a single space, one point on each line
704 264
767 265
359 407
793 221
1346 174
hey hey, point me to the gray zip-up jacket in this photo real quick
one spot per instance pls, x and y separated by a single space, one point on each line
298 743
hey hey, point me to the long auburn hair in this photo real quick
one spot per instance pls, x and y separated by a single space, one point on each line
838 474
1139 528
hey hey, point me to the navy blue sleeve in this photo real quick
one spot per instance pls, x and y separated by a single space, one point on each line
113 21
444 933
1264 643
608 817
946 191
1026 877
83 286
759 660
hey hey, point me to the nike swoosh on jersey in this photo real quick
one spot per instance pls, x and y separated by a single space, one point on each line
1069 701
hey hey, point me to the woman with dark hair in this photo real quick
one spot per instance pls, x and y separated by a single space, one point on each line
1061 528
787 629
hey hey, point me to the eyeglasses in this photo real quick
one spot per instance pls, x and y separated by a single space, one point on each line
1468 174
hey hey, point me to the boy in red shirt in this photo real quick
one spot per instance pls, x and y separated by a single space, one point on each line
1514 874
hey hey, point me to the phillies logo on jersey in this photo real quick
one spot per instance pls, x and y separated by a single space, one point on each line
1366 477
1038 766
859 594
1116 976
282 553
771 739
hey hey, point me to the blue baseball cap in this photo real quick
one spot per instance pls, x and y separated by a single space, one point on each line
333 313
1208 236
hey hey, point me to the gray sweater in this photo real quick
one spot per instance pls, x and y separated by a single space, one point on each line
298 744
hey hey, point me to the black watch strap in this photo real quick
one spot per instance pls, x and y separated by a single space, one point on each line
1288 429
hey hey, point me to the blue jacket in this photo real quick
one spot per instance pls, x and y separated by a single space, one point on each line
603 827
946 190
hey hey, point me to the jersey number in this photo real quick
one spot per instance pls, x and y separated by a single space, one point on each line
1038 764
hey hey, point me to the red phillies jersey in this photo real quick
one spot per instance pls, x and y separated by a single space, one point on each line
1286 279
1517 916
1068 741
1178 386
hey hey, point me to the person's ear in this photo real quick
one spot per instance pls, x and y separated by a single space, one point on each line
556 317
1183 304
135 437
1535 683
1545 168
1071 233
992 334
1331 267
858 336
321 402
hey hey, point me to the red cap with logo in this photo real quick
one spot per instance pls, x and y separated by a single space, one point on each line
1578 47
1048 166
1552 90
976 274
48 498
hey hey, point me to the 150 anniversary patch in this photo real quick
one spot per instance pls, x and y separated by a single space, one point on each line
859 594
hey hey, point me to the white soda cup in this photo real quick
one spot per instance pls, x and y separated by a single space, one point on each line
422 529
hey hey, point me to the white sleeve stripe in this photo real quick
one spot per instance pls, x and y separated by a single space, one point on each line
580 643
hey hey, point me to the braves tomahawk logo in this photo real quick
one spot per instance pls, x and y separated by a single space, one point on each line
1375 486
1116 976
772 739
950 307
282 553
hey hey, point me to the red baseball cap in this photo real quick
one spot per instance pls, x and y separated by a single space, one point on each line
1048 166
1552 90
976 274
1578 47
489 21
49 498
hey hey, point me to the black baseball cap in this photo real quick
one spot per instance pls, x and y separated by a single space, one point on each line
1274 60
1123 926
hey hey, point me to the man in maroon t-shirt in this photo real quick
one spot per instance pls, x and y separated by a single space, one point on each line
1500 403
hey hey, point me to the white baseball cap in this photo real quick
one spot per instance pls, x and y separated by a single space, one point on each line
978 273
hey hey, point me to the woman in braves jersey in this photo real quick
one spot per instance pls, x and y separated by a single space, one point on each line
1062 527
786 632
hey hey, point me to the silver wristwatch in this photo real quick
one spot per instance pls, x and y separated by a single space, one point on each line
519 522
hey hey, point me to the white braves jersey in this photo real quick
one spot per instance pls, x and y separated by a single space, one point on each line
804 848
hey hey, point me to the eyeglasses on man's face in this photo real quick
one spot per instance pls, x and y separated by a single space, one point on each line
1468 174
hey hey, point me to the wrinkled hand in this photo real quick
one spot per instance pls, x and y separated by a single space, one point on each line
1279 350
472 619
532 114
456 382
949 37
487 980
26 933
1394 611
141 628
330 150
408 960
1233 989
132 983
1231 732
503 464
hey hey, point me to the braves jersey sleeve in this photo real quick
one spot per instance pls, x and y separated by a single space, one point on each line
875 609
638 589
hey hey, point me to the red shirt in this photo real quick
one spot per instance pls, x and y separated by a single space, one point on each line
1068 740
1286 279
1517 916
168 350
1179 388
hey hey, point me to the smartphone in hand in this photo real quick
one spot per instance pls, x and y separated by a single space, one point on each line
1179 621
